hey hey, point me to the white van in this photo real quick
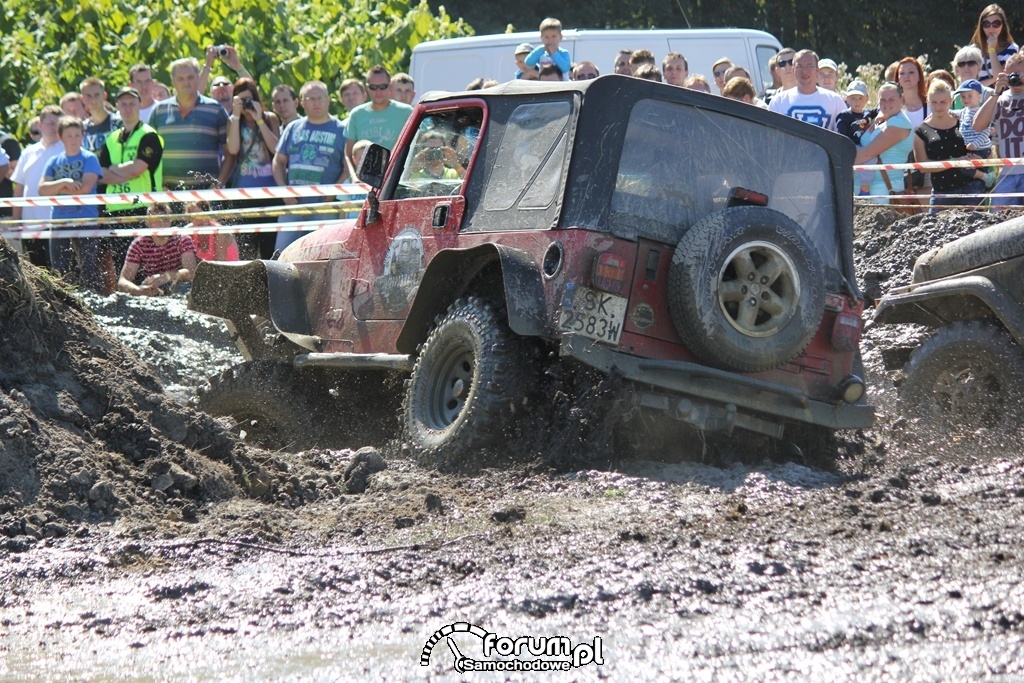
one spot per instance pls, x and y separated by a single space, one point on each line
452 64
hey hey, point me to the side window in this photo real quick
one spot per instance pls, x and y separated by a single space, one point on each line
764 55
435 164
530 161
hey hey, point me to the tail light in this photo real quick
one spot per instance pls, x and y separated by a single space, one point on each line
609 273
846 331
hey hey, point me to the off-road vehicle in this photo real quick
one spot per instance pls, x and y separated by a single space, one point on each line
969 373
696 248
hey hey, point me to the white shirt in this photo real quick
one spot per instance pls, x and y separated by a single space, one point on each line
819 108
29 172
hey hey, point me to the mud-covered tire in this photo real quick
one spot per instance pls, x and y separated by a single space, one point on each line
264 400
468 379
966 376
746 289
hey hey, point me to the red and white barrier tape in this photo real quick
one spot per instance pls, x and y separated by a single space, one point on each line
931 166
297 226
227 194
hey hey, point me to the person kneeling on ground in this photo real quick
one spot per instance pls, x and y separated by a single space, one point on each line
160 261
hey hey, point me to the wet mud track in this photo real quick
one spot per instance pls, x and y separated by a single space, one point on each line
125 556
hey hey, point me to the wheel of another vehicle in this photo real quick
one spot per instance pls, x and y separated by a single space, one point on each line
966 376
746 289
470 373
264 400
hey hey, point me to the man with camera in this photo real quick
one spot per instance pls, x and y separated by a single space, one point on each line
1007 112
194 129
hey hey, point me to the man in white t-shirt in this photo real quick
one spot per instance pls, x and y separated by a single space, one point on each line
807 102
27 175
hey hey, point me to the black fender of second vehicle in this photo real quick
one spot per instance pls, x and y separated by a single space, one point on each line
939 302
503 273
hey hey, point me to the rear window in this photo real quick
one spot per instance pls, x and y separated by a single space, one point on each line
679 162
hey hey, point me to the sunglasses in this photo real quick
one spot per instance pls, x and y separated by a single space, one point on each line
995 23
382 86
34 133
719 74
217 84
784 62
584 77
969 62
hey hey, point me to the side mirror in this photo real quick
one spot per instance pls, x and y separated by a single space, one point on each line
373 165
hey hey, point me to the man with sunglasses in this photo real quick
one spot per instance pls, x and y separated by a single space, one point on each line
381 119
785 71
585 71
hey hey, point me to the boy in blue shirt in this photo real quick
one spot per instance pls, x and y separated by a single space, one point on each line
549 52
74 171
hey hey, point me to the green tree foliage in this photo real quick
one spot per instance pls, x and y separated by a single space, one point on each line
853 31
49 48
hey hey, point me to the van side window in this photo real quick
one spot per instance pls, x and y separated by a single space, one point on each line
531 159
435 165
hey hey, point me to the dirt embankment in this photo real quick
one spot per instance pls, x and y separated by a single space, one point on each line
137 534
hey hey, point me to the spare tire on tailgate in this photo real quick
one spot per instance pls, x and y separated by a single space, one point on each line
746 289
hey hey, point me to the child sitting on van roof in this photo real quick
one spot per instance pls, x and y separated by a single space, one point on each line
549 52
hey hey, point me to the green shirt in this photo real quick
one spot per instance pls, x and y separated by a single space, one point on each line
382 127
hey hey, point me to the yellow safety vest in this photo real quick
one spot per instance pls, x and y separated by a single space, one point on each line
148 181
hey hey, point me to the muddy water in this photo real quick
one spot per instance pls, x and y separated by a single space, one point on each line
684 571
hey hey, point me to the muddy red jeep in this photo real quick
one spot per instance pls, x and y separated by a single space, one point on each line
697 248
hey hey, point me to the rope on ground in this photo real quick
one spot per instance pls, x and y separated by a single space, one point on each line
197 542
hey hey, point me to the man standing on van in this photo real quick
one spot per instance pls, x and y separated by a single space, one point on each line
381 119
807 102
549 52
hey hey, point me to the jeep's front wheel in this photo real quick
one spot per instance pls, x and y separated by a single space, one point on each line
470 373
746 289
968 375
264 400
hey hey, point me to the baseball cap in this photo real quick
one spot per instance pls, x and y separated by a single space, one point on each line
857 87
828 64
970 84
524 47
128 91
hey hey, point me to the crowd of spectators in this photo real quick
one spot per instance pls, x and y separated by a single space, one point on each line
918 117
150 138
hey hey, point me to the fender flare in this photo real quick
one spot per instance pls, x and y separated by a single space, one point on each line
935 304
452 271
236 291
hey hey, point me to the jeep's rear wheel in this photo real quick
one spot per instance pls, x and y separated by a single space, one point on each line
264 400
968 375
469 374
746 289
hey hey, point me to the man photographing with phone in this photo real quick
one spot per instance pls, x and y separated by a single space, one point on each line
1007 112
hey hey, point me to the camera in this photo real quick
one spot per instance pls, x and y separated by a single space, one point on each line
247 104
1013 79
222 50
433 154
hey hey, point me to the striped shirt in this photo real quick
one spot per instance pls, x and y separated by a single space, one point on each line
192 143
153 258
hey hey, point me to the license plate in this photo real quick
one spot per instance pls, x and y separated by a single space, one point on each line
593 314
